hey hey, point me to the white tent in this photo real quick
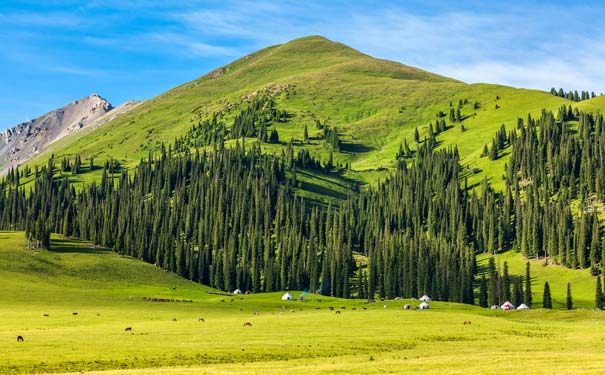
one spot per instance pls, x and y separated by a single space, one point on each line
423 306
425 298
507 306
523 307
287 297
495 307
238 291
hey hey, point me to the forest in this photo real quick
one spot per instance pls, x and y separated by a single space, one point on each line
229 217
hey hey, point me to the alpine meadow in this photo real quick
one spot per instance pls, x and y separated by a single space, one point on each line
306 209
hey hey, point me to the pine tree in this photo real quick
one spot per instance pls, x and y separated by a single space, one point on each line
506 283
483 291
547 299
528 294
569 299
517 291
599 294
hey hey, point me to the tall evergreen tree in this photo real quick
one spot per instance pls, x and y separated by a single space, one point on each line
547 299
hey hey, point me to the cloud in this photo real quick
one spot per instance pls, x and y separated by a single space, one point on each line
190 44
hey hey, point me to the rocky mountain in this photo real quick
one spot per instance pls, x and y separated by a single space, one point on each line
28 139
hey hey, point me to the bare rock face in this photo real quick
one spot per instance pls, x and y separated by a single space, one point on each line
28 139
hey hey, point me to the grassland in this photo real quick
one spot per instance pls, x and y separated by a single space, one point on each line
107 292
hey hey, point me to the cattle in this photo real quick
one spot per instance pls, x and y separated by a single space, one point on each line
354 308
174 319
331 308
337 312
317 308
46 315
201 320
247 324
364 308
256 313
467 323
19 338
128 329
74 313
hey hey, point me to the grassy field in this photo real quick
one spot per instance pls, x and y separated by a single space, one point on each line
107 292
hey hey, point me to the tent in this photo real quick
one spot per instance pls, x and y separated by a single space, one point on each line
287 297
407 306
495 307
237 291
423 306
523 307
507 306
425 298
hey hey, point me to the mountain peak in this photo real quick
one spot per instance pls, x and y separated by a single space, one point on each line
23 141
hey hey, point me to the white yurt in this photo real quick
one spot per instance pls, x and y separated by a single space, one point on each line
423 306
523 307
407 306
507 306
287 297
238 291
495 307
425 298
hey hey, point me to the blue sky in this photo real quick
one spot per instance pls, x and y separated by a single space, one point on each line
53 52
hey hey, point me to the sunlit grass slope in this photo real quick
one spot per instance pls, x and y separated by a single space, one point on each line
583 284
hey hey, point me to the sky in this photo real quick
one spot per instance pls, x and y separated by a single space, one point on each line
54 52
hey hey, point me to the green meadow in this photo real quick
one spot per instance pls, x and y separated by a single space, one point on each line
109 294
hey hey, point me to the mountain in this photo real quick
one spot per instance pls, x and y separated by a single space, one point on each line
375 104
28 139
192 181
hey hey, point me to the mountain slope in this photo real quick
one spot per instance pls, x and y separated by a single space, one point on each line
375 104
28 139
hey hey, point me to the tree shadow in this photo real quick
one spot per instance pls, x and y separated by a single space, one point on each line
355 148
65 246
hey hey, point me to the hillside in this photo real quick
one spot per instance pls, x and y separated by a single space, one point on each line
106 291
26 140
375 105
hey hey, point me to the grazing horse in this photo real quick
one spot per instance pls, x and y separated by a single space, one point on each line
19 338
467 322
247 324
74 313
337 312
128 329
45 315
201 320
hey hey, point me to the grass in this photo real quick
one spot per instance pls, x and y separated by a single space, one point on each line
583 284
376 105
107 292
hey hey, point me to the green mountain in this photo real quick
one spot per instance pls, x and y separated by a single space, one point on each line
375 104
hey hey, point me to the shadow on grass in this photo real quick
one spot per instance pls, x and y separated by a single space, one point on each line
65 246
355 148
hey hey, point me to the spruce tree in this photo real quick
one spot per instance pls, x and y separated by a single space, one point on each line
483 291
517 291
547 299
569 299
506 283
599 294
528 294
